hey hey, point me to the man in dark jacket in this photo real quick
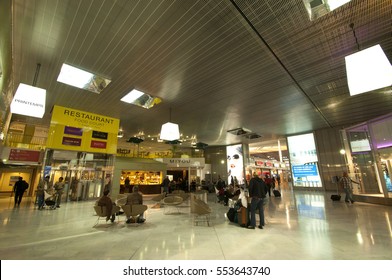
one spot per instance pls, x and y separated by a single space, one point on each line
19 188
257 191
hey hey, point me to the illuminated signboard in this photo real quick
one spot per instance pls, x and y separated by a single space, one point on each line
303 159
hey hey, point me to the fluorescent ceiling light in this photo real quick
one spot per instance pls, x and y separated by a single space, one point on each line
29 101
82 79
368 70
170 131
132 96
141 99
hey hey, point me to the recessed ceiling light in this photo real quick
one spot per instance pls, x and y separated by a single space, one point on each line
82 79
139 98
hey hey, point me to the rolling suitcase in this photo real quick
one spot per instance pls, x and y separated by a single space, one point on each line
337 196
243 217
277 193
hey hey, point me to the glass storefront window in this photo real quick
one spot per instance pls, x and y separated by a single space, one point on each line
369 156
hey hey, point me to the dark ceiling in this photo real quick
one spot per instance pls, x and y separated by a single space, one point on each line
216 65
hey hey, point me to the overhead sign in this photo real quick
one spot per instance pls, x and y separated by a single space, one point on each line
24 155
76 130
29 101
183 162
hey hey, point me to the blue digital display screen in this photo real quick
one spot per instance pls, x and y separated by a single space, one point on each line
304 170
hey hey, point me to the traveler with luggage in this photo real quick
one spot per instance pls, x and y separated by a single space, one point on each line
346 183
257 193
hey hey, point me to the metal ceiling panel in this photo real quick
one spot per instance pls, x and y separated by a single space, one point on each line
216 64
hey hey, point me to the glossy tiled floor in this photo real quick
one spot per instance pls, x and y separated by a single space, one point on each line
301 226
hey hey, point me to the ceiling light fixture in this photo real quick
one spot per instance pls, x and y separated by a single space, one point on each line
82 79
29 100
120 133
170 131
139 98
368 70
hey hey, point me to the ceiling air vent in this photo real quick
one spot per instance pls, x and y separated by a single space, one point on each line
239 131
252 136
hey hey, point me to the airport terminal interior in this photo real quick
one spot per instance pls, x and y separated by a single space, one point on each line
299 226
196 90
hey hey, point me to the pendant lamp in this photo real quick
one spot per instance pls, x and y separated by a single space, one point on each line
170 131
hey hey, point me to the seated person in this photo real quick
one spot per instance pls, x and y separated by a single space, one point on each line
135 198
111 207
231 192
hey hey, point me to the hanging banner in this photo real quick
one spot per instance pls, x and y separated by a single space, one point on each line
76 130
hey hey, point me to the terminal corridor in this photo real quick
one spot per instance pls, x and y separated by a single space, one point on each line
301 225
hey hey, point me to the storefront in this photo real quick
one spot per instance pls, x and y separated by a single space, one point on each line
186 170
85 175
147 173
81 148
368 154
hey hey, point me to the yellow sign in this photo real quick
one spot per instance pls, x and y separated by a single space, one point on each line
86 120
76 130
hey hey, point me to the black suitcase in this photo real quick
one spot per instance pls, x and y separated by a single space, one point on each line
336 197
231 214
277 193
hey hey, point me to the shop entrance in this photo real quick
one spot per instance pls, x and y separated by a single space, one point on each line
80 184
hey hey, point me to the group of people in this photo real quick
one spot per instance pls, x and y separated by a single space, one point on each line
135 197
257 196
53 192
43 187
169 186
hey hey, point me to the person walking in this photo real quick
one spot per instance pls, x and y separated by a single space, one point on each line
346 183
257 193
268 182
59 188
19 188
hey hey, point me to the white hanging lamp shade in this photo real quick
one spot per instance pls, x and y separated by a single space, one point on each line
29 101
368 70
170 131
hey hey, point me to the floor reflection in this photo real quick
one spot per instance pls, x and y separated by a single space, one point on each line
299 225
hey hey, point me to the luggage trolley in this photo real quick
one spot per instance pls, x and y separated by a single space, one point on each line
50 200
